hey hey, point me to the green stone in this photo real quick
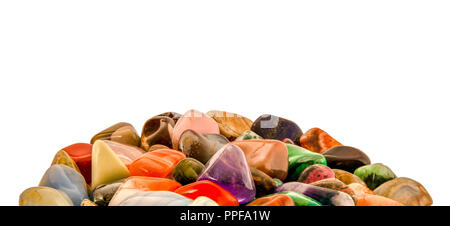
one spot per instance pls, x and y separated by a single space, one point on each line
301 199
299 159
278 182
187 171
375 174
249 135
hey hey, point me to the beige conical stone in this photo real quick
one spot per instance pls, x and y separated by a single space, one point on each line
61 157
44 196
106 165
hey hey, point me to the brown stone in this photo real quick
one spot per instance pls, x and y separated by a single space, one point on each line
317 140
121 132
157 130
405 190
347 177
231 125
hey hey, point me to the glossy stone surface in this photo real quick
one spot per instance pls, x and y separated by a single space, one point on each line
103 194
360 191
158 163
278 182
63 158
67 180
87 202
194 120
231 125
187 171
121 132
374 175
156 147
157 130
203 201
300 159
173 115
249 135
277 128
335 184
301 199
228 168
346 158
126 153
347 177
376 200
201 146
273 200
156 198
269 156
406 191
210 190
106 165
81 153
264 183
323 195
315 173
44 196
317 140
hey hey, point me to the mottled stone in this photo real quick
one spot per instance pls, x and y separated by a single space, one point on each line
301 199
406 191
44 196
157 130
121 132
264 183
201 146
203 201
106 165
323 195
87 202
228 168
126 153
158 163
249 135
278 128
273 200
81 153
103 194
360 191
187 171
67 180
335 184
346 158
196 121
173 115
374 175
347 177
156 198
63 158
317 140
300 159
377 200
210 190
231 125
315 173
269 156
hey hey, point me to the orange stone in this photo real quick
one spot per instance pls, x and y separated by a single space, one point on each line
81 154
376 200
273 200
149 184
210 190
158 163
317 140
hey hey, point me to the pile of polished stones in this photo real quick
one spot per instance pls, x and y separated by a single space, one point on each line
218 159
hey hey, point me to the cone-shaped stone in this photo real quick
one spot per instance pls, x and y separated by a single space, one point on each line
406 191
229 169
156 198
106 165
44 196
126 153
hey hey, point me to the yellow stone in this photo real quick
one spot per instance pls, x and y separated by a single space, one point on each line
44 196
61 157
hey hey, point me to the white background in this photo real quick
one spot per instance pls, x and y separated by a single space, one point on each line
374 75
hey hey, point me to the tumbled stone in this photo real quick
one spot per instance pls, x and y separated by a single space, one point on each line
301 199
315 173
249 135
346 158
67 180
323 195
360 191
210 190
156 198
317 140
156 147
347 177
196 121
335 184
406 191
374 175
300 159
63 158
87 202
273 200
278 182
228 168
157 130
277 128
203 201
377 200
287 141
269 156
187 171
106 165
231 125
44 196
126 153
103 194
201 146
173 115
81 153
264 183
158 163
121 132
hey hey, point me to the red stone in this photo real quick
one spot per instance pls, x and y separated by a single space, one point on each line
149 184
158 163
81 153
210 190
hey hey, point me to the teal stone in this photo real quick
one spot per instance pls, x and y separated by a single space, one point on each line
375 174
299 159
